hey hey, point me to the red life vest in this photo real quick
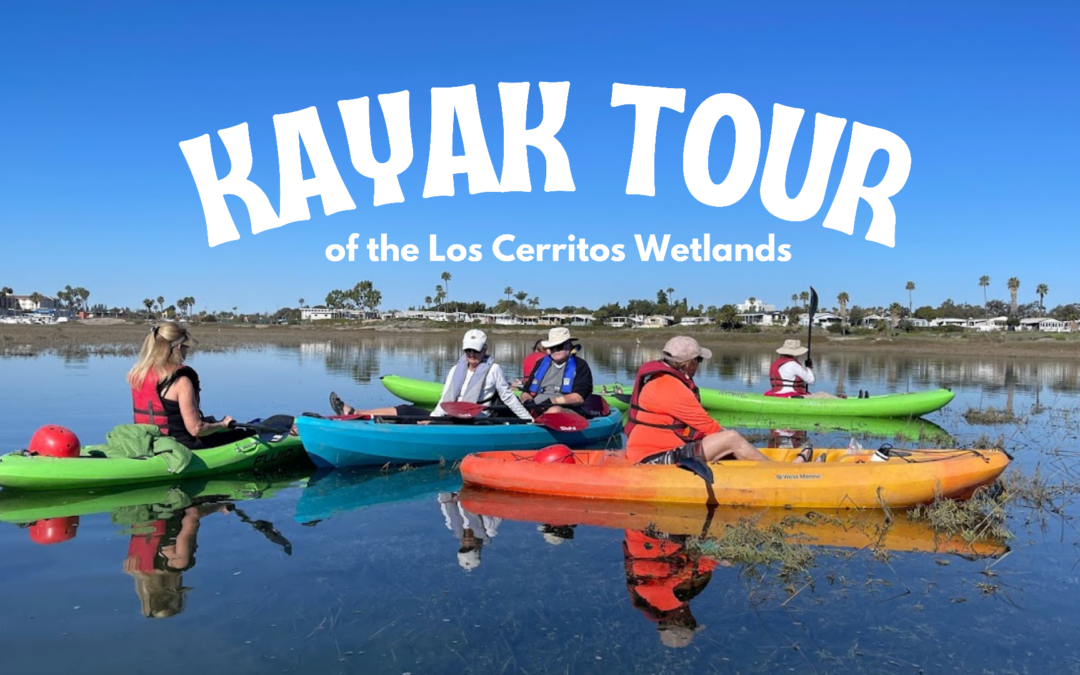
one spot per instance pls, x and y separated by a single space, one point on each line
778 383
149 407
645 373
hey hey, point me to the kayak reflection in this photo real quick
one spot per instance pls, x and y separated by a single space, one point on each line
332 493
162 521
869 528
671 550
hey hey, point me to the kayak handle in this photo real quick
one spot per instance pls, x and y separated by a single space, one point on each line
247 447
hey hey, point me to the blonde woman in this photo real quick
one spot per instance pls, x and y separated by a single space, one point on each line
165 392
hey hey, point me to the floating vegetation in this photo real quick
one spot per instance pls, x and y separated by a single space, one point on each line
750 543
984 442
990 415
981 517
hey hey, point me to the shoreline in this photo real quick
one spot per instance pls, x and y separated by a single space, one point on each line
126 337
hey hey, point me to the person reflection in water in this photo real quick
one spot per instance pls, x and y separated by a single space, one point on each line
158 559
473 531
663 577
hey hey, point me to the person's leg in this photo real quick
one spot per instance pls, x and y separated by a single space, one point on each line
730 443
381 412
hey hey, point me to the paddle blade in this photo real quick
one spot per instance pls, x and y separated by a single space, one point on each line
696 466
562 421
813 301
462 409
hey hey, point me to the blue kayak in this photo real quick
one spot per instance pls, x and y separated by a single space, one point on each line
341 443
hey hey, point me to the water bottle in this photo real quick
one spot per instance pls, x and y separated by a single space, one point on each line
854 447
882 454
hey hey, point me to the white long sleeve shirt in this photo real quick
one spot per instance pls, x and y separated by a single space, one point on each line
792 369
496 384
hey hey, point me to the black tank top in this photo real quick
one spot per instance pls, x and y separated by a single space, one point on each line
177 428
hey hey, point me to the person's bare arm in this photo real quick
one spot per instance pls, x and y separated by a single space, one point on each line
184 393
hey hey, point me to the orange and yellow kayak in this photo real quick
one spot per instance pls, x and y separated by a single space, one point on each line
843 480
869 528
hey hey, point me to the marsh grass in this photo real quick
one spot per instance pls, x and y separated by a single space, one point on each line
981 517
752 544
990 416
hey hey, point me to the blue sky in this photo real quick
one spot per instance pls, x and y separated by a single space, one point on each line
95 192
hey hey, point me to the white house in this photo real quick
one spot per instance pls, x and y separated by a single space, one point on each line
823 319
658 321
695 321
1045 325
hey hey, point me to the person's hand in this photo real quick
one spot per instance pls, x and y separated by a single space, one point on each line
526 397
228 422
809 362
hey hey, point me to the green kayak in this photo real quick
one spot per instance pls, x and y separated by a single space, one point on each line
426 394
887 405
889 428
22 471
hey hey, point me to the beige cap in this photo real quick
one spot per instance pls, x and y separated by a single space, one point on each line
677 637
792 348
683 348
469 560
556 336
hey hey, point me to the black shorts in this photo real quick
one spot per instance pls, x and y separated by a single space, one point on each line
691 449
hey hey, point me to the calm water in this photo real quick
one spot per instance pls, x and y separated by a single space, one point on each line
376 572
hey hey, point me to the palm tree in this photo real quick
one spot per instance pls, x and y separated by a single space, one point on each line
300 302
508 291
794 298
534 302
427 301
160 303
909 288
440 294
984 281
521 295
843 298
671 296
753 303
1041 290
181 304
36 298
805 297
148 303
445 276
1014 286
894 313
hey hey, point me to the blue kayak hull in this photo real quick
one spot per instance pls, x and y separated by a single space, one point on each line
342 443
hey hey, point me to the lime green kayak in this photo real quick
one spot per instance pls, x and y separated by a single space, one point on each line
915 429
22 471
27 507
426 394
887 405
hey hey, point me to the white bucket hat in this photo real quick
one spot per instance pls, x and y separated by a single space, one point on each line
792 348
556 336
474 339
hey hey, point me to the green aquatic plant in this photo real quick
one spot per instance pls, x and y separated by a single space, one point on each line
752 544
981 517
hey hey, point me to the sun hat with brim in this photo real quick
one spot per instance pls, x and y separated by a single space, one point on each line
557 336
684 348
792 348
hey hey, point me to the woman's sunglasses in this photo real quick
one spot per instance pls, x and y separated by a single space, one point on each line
472 352
558 348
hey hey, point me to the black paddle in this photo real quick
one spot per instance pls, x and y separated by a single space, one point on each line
266 528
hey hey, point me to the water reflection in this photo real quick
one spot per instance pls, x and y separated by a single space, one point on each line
329 494
161 522
743 369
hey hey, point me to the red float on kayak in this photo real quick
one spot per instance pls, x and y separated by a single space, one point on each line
53 440
554 454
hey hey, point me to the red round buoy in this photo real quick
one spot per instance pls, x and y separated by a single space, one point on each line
554 454
54 530
53 440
